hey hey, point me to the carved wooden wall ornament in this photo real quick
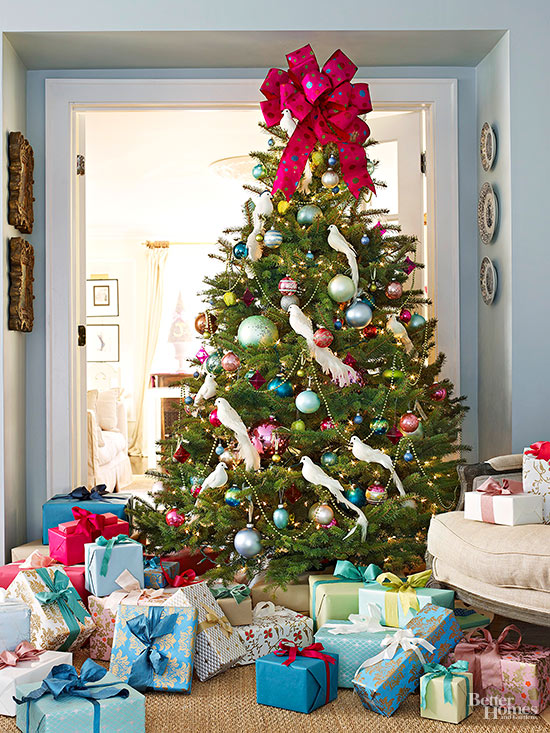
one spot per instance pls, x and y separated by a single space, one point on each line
21 313
21 170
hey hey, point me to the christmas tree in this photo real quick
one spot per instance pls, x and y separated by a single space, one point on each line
314 427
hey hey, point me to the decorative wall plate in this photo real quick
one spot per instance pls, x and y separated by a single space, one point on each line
487 213
487 281
487 146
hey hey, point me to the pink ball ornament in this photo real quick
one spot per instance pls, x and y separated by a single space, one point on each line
405 316
174 518
323 337
268 438
213 417
394 290
230 362
409 422
288 286
438 392
327 424
376 493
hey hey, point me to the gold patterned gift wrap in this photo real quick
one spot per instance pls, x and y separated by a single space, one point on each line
59 619
536 474
153 647
218 645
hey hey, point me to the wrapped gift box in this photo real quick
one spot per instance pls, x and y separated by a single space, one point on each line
15 622
59 619
235 602
68 539
126 555
22 552
69 713
384 685
492 503
270 625
59 509
74 572
303 686
218 645
31 667
468 618
169 631
194 560
523 675
445 695
295 596
536 474
152 572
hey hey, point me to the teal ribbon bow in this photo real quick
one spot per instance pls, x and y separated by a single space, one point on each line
64 681
152 562
120 539
151 660
356 573
239 592
62 593
458 669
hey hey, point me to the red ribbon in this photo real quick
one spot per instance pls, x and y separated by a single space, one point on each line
189 577
327 106
290 649
540 450
483 655
23 652
489 489
88 522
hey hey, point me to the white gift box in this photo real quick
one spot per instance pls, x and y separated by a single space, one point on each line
536 480
23 672
510 509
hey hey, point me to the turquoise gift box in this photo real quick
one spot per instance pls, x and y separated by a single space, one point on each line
59 509
383 686
15 622
167 634
104 561
303 686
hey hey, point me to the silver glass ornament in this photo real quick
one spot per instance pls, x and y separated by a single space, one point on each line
330 178
323 514
247 542
288 300
359 314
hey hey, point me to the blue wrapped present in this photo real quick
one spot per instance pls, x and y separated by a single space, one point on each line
153 571
59 508
400 598
15 622
386 679
104 561
297 679
153 646
92 702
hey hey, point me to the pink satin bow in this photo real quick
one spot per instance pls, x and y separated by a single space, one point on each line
483 655
327 106
540 450
23 652
37 560
489 489
290 649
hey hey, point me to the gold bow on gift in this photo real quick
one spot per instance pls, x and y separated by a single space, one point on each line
212 619
405 590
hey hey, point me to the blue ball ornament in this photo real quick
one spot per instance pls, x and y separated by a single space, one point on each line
417 321
408 456
332 160
309 255
247 542
358 419
308 401
240 251
306 215
280 387
280 517
231 496
257 331
273 238
365 239
335 189
356 495
219 449
379 426
359 314
271 142
188 400
338 324
196 375
329 459
258 171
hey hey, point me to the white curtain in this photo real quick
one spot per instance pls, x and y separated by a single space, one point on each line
156 255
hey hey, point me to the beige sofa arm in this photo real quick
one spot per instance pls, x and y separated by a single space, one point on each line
92 448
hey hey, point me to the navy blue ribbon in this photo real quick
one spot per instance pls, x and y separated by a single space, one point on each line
151 660
82 493
64 681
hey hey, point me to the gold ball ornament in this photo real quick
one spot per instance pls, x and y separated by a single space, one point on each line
275 458
259 237
283 207
206 323
229 298
300 373
317 157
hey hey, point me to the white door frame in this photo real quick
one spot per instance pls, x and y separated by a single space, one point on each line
65 98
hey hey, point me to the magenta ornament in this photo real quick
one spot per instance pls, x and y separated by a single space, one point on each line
174 518
202 355
288 286
394 434
409 422
256 380
438 392
248 298
213 417
268 438
405 316
409 265
327 424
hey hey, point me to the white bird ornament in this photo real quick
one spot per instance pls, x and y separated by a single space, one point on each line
207 390
400 333
340 244
264 206
365 453
231 419
255 248
288 123
343 374
315 475
217 478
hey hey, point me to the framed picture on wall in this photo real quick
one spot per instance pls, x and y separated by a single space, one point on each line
101 298
102 342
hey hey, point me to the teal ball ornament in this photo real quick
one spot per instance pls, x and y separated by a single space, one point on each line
280 517
258 171
273 238
329 459
368 299
257 331
219 449
280 387
231 496
379 426
341 288
417 321
308 401
307 214
271 142
247 542
240 251
214 364
359 314
356 495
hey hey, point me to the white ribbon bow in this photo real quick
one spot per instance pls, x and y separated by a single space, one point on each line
369 621
267 608
402 639
131 592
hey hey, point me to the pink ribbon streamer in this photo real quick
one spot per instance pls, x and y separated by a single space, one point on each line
37 560
327 106
489 489
483 654
540 450
23 652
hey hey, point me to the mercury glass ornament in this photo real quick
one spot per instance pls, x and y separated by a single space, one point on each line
329 459
308 401
379 426
321 513
438 392
280 517
330 178
258 171
376 494
409 422
247 542
359 314
394 290
174 518
288 300
206 322
307 214
230 362
229 298
417 321
405 316
257 331
268 438
341 288
298 426
213 418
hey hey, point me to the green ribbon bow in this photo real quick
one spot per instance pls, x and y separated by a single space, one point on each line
405 590
239 592
120 539
62 593
458 669
357 573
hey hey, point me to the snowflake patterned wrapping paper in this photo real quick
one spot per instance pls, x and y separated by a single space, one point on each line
15 622
58 510
70 714
64 624
383 686
154 577
218 645
536 480
176 647
263 635
24 673
127 556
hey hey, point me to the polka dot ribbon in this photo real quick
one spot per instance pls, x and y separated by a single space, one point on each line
327 106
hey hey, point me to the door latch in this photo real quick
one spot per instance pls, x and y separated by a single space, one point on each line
82 335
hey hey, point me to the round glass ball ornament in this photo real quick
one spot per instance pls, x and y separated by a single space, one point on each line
321 513
206 322
174 518
329 459
409 422
327 424
379 426
358 419
370 331
281 387
330 178
376 494
231 458
405 316
395 374
196 375
257 331
310 256
229 298
323 337
231 496
365 239
271 142
332 160
258 171
317 157
438 392
306 215
408 456
417 321
288 300
359 314
300 373
308 401
219 449
356 495
188 400
240 251
214 363
287 286
273 238
213 418
268 438
247 542
230 362
280 517
283 207
338 324
298 426
394 290
341 288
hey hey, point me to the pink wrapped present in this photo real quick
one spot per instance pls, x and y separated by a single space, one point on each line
37 560
518 672
68 539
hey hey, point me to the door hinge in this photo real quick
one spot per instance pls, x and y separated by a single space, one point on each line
80 165
423 162
82 335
